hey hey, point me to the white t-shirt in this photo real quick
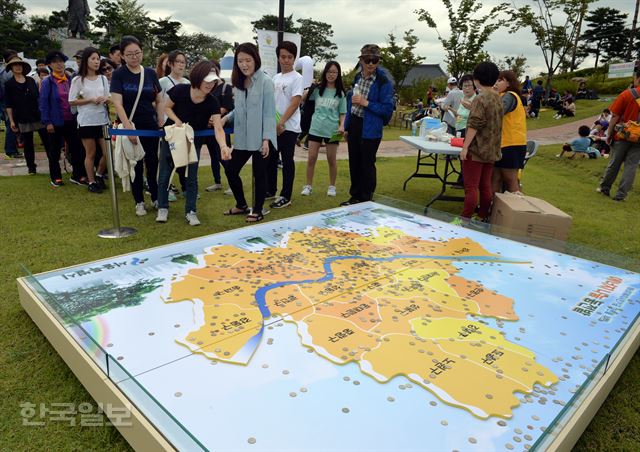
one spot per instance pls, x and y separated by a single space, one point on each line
286 86
90 114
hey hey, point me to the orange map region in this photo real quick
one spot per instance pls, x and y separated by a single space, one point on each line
389 302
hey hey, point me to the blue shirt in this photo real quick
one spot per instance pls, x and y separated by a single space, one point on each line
581 144
254 116
126 83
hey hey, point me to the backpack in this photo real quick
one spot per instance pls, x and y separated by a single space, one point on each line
630 130
308 108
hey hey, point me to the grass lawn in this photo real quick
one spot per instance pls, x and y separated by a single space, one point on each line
47 229
584 109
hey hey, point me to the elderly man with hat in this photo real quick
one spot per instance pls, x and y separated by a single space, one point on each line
369 108
451 104
21 100
60 122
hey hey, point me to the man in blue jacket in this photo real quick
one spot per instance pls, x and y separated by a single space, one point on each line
369 108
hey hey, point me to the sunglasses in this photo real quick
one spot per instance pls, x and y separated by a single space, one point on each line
370 60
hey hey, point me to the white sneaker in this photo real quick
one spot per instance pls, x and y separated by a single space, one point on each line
172 196
192 219
140 210
214 187
306 190
228 191
162 216
155 204
331 191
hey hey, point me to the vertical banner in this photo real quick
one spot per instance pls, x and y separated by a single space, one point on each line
267 43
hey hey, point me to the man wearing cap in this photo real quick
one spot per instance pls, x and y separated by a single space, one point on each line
61 124
369 108
10 144
451 104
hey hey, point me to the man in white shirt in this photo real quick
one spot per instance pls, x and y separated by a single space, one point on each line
451 104
288 92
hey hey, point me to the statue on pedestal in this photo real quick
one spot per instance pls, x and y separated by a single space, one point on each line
78 13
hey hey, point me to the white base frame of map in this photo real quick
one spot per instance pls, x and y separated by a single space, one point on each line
142 434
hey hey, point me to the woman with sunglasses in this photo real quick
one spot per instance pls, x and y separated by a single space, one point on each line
148 115
106 68
369 106
327 124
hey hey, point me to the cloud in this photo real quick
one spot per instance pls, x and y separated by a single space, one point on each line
353 23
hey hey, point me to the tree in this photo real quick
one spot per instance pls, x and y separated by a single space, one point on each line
468 33
398 59
606 34
45 33
316 41
122 17
554 41
314 35
517 64
199 46
12 28
163 36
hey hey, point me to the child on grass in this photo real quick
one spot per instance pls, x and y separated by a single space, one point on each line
581 145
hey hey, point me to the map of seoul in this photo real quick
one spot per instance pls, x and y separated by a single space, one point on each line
296 334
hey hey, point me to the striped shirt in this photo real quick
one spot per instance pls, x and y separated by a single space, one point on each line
364 86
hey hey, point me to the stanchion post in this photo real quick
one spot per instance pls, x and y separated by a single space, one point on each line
116 231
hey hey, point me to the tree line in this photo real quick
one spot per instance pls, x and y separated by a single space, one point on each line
565 31
111 19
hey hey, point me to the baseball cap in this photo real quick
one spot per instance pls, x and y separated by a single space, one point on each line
370 50
452 80
55 55
78 54
211 77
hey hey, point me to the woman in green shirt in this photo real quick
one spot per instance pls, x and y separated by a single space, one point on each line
327 124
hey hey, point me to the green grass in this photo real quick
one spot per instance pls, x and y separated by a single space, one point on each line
48 229
584 109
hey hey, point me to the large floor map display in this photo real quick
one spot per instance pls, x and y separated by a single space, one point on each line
360 328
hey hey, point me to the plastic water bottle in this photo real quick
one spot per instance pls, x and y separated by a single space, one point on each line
355 90
414 128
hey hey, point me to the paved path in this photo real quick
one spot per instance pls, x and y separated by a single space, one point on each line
550 135
559 134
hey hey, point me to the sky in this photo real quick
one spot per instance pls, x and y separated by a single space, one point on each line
354 22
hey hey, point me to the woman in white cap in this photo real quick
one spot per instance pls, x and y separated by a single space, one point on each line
193 105
21 98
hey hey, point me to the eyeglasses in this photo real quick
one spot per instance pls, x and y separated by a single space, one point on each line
137 54
107 69
332 72
370 60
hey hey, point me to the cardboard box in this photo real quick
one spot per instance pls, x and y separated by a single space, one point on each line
531 218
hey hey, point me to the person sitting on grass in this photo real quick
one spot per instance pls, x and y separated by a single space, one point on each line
581 145
598 137
568 108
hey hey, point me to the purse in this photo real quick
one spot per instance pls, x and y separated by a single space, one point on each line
630 130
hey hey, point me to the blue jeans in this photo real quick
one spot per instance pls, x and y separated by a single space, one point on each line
165 162
10 144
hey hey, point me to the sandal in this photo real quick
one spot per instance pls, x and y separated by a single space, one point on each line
254 217
237 211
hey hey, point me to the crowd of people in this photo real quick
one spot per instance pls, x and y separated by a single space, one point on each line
70 111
